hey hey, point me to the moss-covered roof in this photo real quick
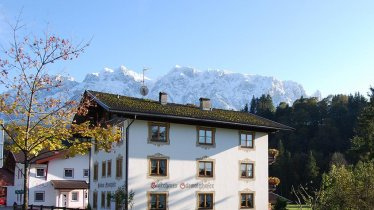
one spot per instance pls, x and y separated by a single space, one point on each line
118 103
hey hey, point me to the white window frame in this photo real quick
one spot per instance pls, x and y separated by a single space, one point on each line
72 175
36 172
43 192
88 173
72 196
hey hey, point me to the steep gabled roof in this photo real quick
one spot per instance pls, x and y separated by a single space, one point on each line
42 158
187 114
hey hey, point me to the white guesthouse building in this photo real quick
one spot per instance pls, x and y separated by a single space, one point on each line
180 157
54 181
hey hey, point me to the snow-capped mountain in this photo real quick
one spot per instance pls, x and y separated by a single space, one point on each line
184 85
226 89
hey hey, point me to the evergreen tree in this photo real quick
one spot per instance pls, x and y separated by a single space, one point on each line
265 107
245 109
253 105
326 126
312 169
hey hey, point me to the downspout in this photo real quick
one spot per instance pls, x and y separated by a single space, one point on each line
89 178
127 164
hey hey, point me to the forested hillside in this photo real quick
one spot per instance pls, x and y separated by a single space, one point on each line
323 135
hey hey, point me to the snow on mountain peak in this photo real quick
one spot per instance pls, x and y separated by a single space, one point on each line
184 85
136 76
225 89
61 78
120 74
108 70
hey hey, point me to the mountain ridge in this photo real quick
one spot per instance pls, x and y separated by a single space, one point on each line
226 89
185 85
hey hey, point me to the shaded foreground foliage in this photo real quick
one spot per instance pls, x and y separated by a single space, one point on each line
348 188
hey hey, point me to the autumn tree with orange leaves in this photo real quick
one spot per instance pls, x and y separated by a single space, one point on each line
36 124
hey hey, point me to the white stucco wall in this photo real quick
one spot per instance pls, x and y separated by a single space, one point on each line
107 184
18 185
183 154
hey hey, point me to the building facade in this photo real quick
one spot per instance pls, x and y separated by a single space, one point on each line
180 157
53 181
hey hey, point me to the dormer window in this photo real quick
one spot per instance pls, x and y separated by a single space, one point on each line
158 133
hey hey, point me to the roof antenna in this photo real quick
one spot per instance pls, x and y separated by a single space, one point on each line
144 89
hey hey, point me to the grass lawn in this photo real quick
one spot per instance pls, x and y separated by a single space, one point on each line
296 207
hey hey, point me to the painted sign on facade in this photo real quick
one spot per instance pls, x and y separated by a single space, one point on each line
106 185
183 185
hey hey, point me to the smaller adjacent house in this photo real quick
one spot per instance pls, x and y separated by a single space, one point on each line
54 181
6 180
6 176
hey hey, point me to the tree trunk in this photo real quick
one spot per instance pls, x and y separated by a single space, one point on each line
26 185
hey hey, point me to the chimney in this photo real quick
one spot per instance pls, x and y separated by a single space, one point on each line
163 98
205 104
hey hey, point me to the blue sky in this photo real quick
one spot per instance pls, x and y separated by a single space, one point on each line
324 45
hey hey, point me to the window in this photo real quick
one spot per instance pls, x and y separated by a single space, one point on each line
246 201
40 172
157 201
119 167
158 167
206 168
20 198
206 136
158 132
68 173
86 172
205 201
109 167
103 169
96 147
246 170
96 171
39 196
74 196
246 139
20 174
94 200
103 199
122 131
108 200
